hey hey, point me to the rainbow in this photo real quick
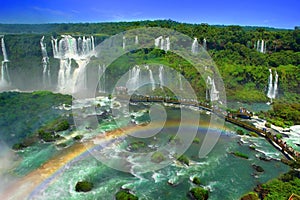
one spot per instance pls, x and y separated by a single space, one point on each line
38 180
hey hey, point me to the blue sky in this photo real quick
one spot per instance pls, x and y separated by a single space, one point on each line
272 13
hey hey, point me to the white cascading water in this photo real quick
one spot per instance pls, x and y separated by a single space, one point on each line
180 81
163 44
204 44
66 50
45 63
101 74
261 46
124 42
195 46
133 79
151 78
4 77
136 42
161 76
212 93
272 87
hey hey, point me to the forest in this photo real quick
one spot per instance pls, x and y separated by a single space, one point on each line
233 48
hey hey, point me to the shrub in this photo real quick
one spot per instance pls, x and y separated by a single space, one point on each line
157 157
125 195
183 159
196 180
196 140
199 193
83 186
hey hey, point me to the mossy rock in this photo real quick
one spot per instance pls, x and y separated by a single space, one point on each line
196 180
125 195
157 157
250 196
196 140
84 186
240 132
78 137
198 193
184 159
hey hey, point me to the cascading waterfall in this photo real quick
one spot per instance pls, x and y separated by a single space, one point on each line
212 93
163 44
272 87
180 81
136 42
195 46
133 79
161 76
101 74
204 44
261 46
152 81
4 77
66 50
124 42
45 63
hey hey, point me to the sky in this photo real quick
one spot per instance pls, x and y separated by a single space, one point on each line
268 13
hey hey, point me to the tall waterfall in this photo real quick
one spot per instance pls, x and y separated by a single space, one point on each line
162 43
101 74
151 78
45 63
180 81
161 76
272 87
195 46
212 93
261 46
204 44
124 42
66 50
4 76
136 42
133 79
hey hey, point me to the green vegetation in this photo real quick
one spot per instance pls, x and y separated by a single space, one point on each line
78 137
240 132
196 180
174 139
157 157
250 196
281 188
184 159
253 134
196 140
137 145
125 195
241 155
83 186
48 133
28 112
198 193
283 114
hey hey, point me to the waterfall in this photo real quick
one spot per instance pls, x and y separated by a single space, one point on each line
4 76
133 79
101 74
124 42
180 82
136 40
212 93
272 87
161 76
195 46
66 50
163 44
261 46
152 81
167 44
45 63
204 44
